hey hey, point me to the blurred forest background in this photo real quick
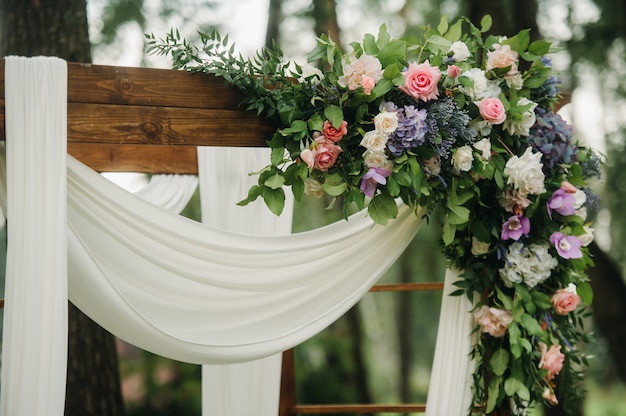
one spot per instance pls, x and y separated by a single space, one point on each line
382 350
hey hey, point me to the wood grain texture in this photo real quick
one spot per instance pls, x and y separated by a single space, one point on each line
113 111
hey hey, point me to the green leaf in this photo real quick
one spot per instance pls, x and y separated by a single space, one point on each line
539 47
493 394
499 362
455 31
296 127
253 193
458 215
277 155
441 44
369 44
382 87
585 292
274 199
275 181
449 231
334 189
392 52
531 324
485 23
382 208
443 25
334 114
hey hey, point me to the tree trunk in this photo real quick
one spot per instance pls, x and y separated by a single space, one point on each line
273 23
325 17
59 28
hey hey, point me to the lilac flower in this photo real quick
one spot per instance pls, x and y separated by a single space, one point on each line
515 227
562 202
410 131
553 137
372 178
568 246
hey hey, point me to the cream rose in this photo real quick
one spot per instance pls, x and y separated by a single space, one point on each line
484 146
522 127
481 86
493 321
502 57
386 122
374 141
358 70
462 159
525 173
478 247
377 160
459 50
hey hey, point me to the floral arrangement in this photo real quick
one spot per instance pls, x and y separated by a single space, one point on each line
455 120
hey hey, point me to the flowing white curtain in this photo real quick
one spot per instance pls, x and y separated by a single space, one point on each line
252 387
34 350
167 284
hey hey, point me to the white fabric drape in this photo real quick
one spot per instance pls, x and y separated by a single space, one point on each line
450 386
34 350
253 387
170 192
193 293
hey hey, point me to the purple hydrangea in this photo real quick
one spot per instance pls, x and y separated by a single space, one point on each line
411 129
553 137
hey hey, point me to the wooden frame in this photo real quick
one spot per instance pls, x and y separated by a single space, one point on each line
150 120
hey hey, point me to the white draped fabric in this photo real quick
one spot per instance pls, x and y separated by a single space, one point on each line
34 350
450 387
252 387
185 290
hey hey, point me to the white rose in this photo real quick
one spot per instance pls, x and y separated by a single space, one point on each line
484 146
515 82
588 237
377 160
374 141
386 122
522 128
309 71
479 247
482 87
525 173
462 159
580 197
460 51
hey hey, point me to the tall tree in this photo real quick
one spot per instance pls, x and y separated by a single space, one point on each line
59 28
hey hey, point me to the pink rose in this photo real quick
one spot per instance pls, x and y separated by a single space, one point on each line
332 133
420 81
453 71
493 321
551 359
565 301
492 110
326 155
308 157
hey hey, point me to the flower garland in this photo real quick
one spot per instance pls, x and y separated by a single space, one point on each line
455 120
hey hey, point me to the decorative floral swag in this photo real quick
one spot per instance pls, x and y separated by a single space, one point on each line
454 120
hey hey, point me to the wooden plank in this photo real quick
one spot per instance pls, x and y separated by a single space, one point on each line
102 84
159 125
137 158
